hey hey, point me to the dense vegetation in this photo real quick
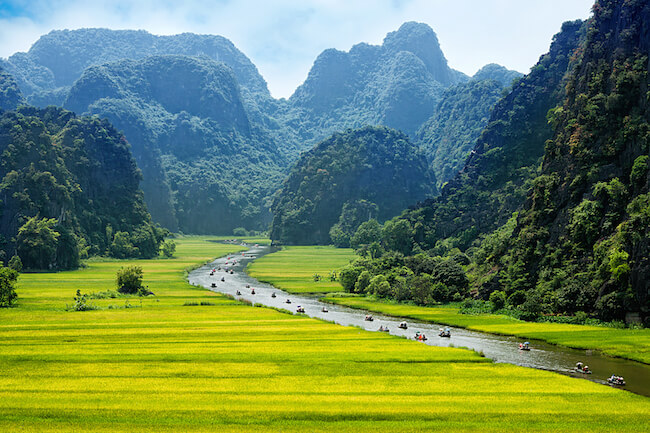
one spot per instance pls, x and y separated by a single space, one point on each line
345 180
10 95
460 117
579 243
397 84
69 189
206 167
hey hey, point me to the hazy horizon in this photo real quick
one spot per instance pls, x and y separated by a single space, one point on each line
284 38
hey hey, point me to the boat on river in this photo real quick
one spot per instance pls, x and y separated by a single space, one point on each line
368 318
616 380
524 346
300 309
444 333
403 325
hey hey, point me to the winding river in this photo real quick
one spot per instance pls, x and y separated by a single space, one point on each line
496 347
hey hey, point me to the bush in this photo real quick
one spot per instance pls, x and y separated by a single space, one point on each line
240 231
168 248
8 294
517 298
16 264
498 300
348 277
129 279
81 302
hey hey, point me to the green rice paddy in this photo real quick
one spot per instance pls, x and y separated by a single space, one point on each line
292 269
229 367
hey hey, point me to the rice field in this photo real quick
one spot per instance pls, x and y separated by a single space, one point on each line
292 268
229 367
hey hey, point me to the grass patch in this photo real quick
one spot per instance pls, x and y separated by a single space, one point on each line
625 343
232 368
293 268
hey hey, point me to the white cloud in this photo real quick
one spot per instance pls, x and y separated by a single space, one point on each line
284 37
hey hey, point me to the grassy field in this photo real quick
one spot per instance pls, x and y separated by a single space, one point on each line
626 343
229 367
293 268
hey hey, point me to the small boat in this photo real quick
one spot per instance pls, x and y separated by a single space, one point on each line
248 286
524 346
583 370
616 380
445 333
223 279
238 293
212 273
252 291
369 318
382 329
273 295
288 301
403 325
213 285
232 272
325 310
419 336
300 309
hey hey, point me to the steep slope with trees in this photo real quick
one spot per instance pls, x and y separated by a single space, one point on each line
206 167
10 95
460 117
69 188
397 84
582 241
355 175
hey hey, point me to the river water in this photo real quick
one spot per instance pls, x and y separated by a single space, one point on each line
496 347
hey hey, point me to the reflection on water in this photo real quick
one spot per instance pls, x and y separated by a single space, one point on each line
498 348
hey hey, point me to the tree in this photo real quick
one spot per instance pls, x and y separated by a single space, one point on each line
129 279
367 233
498 299
168 248
398 236
8 279
15 263
36 243
122 248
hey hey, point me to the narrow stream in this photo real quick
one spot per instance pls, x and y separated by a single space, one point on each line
496 347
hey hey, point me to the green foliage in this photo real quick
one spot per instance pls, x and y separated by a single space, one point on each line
10 95
8 278
68 183
81 302
639 171
129 279
498 300
15 263
36 243
368 233
397 235
374 171
168 248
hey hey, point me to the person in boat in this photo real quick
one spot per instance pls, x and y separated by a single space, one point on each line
238 293
579 365
273 295
288 301
252 291
585 369
223 279
325 310
381 328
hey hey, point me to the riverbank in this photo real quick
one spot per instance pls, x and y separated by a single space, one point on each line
191 360
631 344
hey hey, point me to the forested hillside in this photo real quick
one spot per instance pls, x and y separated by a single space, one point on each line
69 189
206 168
582 242
397 84
460 117
495 179
351 177
578 243
10 95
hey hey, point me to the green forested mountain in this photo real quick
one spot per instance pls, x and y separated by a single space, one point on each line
495 178
57 59
374 171
206 167
460 117
582 242
397 84
69 188
10 95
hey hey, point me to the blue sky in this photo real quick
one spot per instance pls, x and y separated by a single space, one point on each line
284 37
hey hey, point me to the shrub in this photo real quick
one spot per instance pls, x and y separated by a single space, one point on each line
129 279
240 231
348 277
8 294
168 248
498 300
16 264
